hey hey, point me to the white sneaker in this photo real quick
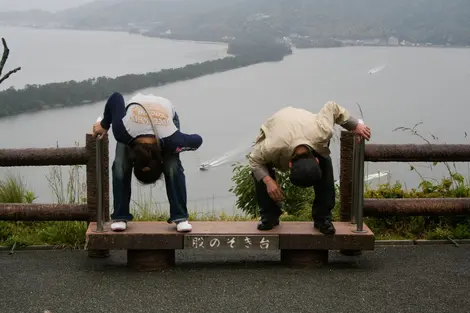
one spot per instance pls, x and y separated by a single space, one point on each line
184 226
119 226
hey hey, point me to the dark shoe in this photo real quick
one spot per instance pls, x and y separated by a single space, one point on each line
325 227
267 225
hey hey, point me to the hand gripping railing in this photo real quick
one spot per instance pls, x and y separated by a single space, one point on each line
357 207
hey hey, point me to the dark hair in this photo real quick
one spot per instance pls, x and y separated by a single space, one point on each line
305 172
148 162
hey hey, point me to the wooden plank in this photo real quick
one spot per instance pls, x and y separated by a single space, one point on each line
288 235
231 228
139 236
301 236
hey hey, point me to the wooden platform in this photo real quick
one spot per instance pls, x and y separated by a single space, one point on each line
299 242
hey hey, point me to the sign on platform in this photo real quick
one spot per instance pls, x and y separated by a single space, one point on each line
237 242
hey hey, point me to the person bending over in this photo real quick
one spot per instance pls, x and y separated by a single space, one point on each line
297 140
149 141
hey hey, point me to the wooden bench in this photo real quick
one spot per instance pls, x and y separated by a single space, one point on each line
152 245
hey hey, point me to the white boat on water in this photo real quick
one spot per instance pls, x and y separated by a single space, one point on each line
379 174
369 177
377 69
204 166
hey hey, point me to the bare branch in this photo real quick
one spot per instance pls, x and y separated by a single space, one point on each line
360 110
6 52
7 75
3 61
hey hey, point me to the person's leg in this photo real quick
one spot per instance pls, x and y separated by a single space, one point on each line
175 182
122 179
269 209
325 198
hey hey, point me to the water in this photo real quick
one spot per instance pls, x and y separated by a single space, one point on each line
419 85
58 55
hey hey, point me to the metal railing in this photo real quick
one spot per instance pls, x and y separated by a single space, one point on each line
96 159
357 207
99 184
353 155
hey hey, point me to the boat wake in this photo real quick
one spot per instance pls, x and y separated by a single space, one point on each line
368 178
226 157
377 69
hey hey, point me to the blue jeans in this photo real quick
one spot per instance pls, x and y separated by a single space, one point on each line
175 183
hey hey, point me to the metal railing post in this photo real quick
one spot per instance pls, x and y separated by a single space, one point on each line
99 184
359 192
355 176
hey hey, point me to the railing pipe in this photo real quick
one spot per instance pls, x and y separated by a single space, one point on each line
355 182
43 156
99 184
360 144
35 212
417 153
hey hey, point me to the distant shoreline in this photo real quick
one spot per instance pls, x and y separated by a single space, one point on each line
115 31
77 93
226 43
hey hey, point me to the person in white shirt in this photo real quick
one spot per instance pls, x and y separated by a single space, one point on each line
149 140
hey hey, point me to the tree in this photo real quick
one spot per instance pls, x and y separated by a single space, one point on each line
6 53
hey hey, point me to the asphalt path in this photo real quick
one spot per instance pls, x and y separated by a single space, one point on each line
390 279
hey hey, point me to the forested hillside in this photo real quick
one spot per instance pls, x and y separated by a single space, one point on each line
421 21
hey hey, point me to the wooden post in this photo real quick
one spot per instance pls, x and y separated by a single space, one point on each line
92 199
150 260
304 258
346 182
346 175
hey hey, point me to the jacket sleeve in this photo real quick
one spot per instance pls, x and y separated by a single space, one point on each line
332 113
114 111
261 155
179 142
258 161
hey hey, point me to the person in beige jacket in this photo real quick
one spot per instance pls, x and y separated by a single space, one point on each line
297 140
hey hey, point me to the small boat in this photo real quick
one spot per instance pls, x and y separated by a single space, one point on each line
379 174
377 69
204 167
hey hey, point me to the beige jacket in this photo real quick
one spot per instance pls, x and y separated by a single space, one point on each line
291 127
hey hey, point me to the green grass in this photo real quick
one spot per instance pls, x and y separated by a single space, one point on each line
72 234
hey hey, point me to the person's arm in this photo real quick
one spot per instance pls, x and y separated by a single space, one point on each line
179 142
114 112
257 161
258 166
333 113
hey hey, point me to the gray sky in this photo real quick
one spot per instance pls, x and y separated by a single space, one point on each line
49 5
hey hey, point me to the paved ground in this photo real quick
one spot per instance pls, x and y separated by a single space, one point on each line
393 279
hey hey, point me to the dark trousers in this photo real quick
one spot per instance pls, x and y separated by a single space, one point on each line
323 204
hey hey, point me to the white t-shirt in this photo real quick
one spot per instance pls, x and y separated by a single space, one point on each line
161 111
